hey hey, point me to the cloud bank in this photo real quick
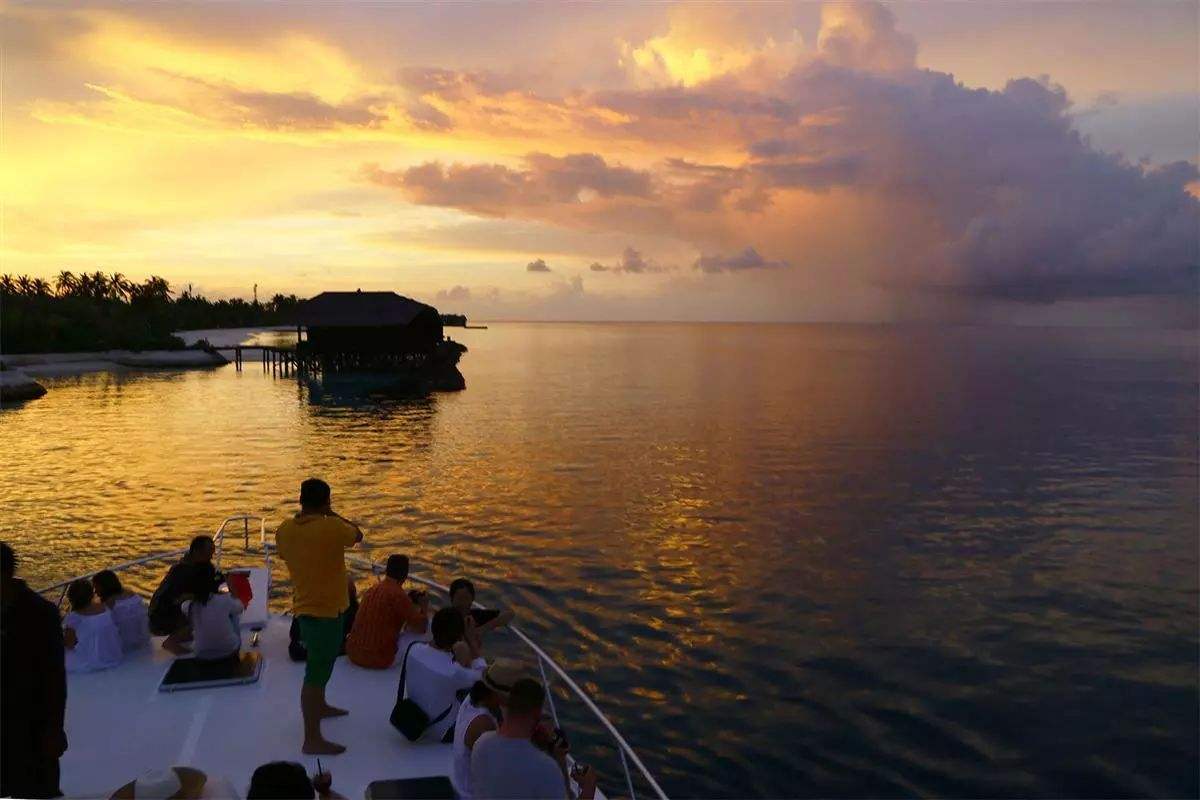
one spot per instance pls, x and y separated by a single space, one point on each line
856 163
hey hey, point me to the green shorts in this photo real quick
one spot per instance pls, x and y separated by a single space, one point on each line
323 639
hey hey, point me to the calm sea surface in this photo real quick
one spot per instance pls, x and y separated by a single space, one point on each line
787 560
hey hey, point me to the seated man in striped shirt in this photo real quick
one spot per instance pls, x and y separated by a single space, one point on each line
385 611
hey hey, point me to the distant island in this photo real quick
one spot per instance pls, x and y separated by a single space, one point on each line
95 311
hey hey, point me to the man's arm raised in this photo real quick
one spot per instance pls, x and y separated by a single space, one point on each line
358 534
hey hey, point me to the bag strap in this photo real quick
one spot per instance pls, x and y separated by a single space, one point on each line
403 678
404 670
439 717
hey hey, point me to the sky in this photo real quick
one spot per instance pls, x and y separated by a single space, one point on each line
990 162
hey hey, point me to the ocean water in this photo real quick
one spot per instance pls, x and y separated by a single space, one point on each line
788 560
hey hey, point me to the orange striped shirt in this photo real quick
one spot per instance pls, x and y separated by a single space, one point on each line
384 611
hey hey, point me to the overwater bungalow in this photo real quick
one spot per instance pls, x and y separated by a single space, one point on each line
376 332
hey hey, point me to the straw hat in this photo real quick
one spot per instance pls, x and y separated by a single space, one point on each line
176 783
503 673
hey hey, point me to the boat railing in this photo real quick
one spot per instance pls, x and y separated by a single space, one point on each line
544 661
252 524
218 543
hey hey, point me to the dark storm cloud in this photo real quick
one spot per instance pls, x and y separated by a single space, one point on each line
498 190
746 259
939 187
631 261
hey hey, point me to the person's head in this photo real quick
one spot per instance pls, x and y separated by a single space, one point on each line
462 594
314 495
397 567
525 701
80 593
201 549
447 628
8 561
493 687
107 584
205 582
280 780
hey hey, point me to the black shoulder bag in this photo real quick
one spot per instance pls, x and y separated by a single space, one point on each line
408 717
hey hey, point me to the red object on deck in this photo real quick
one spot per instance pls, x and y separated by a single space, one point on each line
239 587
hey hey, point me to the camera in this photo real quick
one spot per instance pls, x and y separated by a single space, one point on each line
549 739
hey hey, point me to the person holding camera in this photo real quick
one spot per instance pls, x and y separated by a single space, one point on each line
385 611
526 758
435 672
313 545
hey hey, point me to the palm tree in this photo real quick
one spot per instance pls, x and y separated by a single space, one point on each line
25 285
156 288
66 283
41 287
99 285
119 286
8 285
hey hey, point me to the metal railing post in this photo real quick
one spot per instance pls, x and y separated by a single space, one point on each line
549 694
628 777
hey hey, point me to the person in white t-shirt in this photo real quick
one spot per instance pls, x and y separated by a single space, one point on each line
479 713
89 632
438 670
215 616
128 609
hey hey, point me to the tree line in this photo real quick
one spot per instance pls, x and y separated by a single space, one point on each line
100 311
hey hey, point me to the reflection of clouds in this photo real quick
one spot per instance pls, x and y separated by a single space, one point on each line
874 542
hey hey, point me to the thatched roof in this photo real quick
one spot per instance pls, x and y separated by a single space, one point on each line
359 309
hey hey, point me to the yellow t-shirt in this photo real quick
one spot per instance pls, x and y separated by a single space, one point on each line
313 548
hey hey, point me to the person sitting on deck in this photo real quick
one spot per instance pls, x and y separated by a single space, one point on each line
523 758
214 617
287 780
128 609
462 597
438 670
89 632
385 611
313 545
166 616
479 713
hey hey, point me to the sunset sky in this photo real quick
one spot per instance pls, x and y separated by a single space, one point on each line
985 161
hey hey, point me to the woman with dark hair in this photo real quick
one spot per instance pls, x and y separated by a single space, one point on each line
215 617
478 620
128 609
89 632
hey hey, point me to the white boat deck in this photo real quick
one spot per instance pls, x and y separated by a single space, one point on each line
119 725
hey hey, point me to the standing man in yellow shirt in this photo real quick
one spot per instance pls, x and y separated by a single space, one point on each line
313 544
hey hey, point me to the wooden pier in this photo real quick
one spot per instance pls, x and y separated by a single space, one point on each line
282 361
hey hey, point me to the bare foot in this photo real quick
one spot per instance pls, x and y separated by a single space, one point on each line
323 747
333 711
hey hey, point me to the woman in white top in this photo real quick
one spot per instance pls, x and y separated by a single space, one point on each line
436 672
89 632
215 616
478 714
128 610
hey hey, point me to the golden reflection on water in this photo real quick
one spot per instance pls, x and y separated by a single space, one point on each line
817 532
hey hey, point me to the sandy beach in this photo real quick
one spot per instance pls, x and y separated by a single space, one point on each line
54 364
